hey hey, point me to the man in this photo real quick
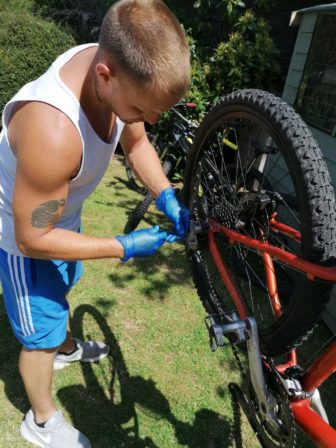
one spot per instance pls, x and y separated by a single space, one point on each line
59 133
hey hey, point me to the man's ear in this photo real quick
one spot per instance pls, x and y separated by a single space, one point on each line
103 71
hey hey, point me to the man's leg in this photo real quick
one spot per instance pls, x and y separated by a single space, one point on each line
69 344
36 368
34 294
43 423
73 349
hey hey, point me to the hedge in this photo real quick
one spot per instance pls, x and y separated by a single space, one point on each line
28 45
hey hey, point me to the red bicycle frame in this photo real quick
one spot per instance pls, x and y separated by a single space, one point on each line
316 428
311 422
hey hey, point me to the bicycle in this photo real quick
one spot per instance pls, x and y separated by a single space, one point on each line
262 241
172 144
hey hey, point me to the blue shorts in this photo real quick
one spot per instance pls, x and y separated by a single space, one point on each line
35 298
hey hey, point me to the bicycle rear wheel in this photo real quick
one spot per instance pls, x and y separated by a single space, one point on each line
252 157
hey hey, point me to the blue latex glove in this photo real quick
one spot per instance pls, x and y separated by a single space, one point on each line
174 210
143 242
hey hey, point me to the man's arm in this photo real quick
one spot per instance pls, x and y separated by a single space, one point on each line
143 158
47 157
146 164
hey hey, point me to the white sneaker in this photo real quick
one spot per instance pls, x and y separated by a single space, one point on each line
87 351
57 433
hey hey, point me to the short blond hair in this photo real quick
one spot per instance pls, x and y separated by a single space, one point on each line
145 42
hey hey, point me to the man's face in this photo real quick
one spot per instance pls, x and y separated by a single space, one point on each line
131 103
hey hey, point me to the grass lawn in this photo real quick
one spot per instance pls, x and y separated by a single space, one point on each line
161 386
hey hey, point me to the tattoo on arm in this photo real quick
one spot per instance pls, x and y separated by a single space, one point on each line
47 213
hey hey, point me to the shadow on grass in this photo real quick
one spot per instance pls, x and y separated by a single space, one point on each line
121 197
110 415
118 182
9 370
157 274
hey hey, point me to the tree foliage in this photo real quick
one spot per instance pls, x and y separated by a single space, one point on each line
231 49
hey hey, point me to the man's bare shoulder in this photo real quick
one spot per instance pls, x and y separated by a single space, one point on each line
44 134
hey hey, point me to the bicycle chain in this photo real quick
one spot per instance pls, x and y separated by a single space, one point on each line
221 311
229 217
238 361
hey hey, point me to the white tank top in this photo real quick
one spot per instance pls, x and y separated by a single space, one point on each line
96 154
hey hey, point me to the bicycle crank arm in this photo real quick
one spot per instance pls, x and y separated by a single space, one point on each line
266 400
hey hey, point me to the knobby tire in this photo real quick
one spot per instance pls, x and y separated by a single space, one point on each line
244 117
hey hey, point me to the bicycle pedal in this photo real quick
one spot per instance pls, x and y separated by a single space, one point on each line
217 331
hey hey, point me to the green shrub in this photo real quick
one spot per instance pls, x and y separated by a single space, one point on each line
17 5
27 47
247 59
198 92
